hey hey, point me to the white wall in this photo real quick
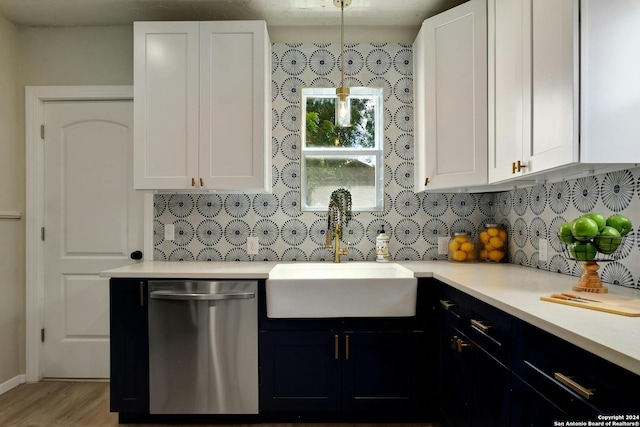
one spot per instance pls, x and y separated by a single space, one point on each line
76 56
11 199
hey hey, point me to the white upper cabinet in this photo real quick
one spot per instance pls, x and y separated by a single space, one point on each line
509 78
562 96
610 98
450 100
166 98
202 106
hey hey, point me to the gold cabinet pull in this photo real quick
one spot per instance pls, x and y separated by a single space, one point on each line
346 352
480 325
201 182
569 382
193 182
459 344
426 182
141 294
447 304
335 347
517 166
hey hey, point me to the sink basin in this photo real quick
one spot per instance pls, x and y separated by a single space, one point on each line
366 289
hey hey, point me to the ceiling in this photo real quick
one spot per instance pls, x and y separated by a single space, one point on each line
276 12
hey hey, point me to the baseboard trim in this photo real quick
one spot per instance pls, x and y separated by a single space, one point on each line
12 383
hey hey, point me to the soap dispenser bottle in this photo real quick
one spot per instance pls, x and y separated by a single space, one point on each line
382 247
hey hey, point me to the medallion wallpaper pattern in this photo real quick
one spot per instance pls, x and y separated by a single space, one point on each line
537 212
215 227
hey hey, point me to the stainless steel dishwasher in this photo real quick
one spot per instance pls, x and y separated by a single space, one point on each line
203 347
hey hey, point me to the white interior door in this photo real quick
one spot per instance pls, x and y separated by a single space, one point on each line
93 221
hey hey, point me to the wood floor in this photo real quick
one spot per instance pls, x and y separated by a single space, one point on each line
86 404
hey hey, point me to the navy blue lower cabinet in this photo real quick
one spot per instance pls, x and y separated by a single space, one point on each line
299 372
384 373
578 382
343 375
474 386
490 393
474 344
532 409
129 346
453 376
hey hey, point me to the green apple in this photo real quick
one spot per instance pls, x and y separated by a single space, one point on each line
564 233
583 251
584 229
598 218
608 240
620 223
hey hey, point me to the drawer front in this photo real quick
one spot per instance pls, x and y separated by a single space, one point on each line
490 328
451 305
577 381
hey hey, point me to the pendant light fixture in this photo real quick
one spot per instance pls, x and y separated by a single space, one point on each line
343 105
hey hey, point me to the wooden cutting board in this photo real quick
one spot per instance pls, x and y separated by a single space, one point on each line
615 304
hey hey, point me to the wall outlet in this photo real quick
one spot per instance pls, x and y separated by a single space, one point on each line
169 232
252 245
542 250
443 245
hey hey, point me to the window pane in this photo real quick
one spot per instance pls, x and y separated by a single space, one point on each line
326 174
349 157
321 130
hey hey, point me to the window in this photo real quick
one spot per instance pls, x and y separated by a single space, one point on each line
334 157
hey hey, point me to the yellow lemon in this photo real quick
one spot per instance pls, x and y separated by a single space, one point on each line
482 254
460 239
484 237
467 246
496 242
454 246
496 255
459 255
493 231
503 235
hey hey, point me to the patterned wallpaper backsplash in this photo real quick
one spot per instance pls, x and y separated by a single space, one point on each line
537 212
215 227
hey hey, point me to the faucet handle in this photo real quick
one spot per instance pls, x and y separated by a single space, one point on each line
327 244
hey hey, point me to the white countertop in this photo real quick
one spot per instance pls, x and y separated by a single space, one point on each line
511 288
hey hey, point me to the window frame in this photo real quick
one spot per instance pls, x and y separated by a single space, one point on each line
377 151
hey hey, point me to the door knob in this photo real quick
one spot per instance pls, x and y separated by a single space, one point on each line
136 255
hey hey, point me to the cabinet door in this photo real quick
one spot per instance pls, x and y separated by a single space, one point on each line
453 378
610 88
509 80
129 346
451 99
384 373
490 396
554 84
299 372
165 105
235 106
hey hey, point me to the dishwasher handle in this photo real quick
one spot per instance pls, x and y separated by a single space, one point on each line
170 295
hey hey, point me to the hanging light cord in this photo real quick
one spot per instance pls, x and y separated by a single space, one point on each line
342 41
